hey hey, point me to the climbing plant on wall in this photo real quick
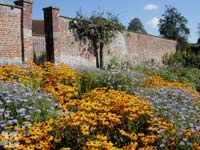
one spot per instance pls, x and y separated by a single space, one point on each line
99 28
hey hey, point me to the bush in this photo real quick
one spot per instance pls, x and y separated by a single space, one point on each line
183 58
117 76
186 75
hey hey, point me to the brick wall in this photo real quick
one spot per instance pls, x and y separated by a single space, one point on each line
16 40
27 48
131 47
16 32
10 34
127 46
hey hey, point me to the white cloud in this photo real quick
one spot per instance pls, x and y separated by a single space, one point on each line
153 22
151 7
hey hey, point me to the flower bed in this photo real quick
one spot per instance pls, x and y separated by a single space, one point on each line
158 115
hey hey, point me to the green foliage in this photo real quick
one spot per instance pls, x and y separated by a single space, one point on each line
100 29
102 118
199 29
198 33
173 26
39 59
19 104
185 59
136 26
117 76
187 75
99 26
198 41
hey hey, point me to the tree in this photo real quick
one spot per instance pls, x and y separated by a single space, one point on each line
198 33
198 42
100 29
136 26
173 26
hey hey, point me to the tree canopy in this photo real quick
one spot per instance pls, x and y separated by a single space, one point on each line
173 26
198 33
136 26
99 28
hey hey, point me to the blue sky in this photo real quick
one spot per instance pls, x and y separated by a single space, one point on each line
149 11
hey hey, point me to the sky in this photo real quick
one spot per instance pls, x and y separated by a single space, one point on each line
148 11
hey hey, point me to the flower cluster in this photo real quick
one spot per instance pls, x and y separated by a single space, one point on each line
19 104
11 73
157 81
104 118
179 107
61 81
151 118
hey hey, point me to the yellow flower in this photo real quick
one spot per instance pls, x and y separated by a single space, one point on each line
196 146
65 148
148 148
187 132
85 129
158 81
131 146
149 139
57 139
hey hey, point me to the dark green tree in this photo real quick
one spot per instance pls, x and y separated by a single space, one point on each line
173 26
198 33
136 26
100 29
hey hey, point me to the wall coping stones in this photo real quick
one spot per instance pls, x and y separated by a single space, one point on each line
28 1
51 7
11 5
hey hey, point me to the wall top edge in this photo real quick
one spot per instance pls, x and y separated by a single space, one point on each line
66 17
126 31
28 1
50 7
11 5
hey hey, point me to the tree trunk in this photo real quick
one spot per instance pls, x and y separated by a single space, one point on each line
101 55
97 58
95 47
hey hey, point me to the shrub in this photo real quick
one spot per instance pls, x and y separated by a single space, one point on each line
183 58
117 76
188 76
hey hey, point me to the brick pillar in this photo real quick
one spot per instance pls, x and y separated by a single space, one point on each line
51 20
27 47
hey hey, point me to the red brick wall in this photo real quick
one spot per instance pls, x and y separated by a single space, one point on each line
134 47
71 51
127 46
10 34
16 40
61 43
27 48
16 32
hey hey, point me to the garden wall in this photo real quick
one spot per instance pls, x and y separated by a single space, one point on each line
16 40
16 32
127 46
10 34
